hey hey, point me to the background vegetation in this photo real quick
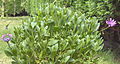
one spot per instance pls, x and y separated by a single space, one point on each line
101 9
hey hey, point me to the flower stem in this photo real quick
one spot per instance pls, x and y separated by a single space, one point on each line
104 29
8 45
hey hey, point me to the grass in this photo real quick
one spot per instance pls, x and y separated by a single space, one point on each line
106 57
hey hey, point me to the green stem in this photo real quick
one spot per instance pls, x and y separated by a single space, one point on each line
74 28
104 29
54 2
8 45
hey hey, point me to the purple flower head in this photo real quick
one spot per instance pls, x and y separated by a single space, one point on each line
6 38
111 22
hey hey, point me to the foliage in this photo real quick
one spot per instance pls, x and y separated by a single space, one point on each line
101 9
116 6
31 6
56 36
13 7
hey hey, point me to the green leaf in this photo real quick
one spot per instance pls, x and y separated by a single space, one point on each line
69 52
72 60
56 28
55 47
53 50
8 52
66 59
52 42
118 22
33 24
13 62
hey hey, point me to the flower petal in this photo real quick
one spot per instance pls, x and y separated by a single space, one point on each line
108 22
110 19
111 22
10 35
6 38
7 34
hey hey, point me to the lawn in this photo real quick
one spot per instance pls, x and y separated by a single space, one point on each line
14 22
105 57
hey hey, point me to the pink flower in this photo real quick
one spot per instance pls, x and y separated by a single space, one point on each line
111 22
6 38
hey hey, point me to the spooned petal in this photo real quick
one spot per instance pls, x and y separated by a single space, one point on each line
111 22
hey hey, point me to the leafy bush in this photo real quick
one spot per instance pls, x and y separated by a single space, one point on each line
56 36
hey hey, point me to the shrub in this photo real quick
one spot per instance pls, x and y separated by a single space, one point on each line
56 36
